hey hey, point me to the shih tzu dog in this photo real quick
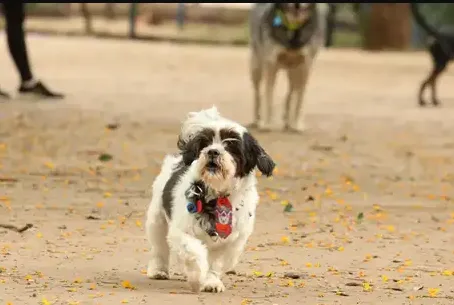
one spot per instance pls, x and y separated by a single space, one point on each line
204 200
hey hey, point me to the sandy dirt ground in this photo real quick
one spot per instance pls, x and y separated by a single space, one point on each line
371 181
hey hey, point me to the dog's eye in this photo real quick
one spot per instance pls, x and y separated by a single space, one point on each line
204 143
229 143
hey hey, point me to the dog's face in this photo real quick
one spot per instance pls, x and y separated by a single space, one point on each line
296 13
223 154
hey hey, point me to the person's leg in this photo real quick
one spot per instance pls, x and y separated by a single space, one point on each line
330 25
14 15
3 95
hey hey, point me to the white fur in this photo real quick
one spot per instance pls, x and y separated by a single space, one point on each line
203 258
208 118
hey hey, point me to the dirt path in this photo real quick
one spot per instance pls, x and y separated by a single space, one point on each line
368 149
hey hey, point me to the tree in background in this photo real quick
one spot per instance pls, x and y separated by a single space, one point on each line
387 26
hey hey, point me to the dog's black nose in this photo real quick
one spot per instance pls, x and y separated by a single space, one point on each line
213 153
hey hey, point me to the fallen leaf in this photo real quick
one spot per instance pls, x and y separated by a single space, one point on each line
390 228
78 280
448 272
285 239
112 126
105 157
408 262
360 217
288 283
395 289
49 165
433 292
127 285
341 293
44 301
288 207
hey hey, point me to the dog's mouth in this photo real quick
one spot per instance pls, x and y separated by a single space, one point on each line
212 166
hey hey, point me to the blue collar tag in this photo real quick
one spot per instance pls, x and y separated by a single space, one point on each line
277 21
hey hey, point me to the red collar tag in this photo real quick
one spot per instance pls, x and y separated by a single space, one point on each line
224 217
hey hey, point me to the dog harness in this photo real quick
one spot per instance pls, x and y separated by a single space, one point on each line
222 211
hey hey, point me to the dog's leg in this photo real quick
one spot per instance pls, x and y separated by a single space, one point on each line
156 227
440 60
193 254
288 99
271 69
299 78
422 88
222 260
256 78
439 68
233 254
432 80
213 282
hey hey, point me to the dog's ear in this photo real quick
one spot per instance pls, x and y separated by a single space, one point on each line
255 155
189 150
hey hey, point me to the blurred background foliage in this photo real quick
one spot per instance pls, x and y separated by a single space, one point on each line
372 26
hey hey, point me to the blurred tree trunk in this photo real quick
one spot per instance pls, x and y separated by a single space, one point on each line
388 26
87 18
109 13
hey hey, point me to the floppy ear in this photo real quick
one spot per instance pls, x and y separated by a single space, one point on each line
255 155
189 150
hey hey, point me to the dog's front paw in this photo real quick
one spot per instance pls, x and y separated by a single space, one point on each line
213 284
195 279
298 128
157 274
263 126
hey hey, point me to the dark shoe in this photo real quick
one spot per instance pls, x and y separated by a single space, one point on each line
39 90
4 95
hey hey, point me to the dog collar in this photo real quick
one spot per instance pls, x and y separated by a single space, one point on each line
223 215
280 20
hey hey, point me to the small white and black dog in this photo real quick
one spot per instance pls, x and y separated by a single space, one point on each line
204 200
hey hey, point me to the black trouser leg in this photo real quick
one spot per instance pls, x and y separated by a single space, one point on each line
14 15
330 25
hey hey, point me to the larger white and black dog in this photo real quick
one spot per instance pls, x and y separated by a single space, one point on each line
220 157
